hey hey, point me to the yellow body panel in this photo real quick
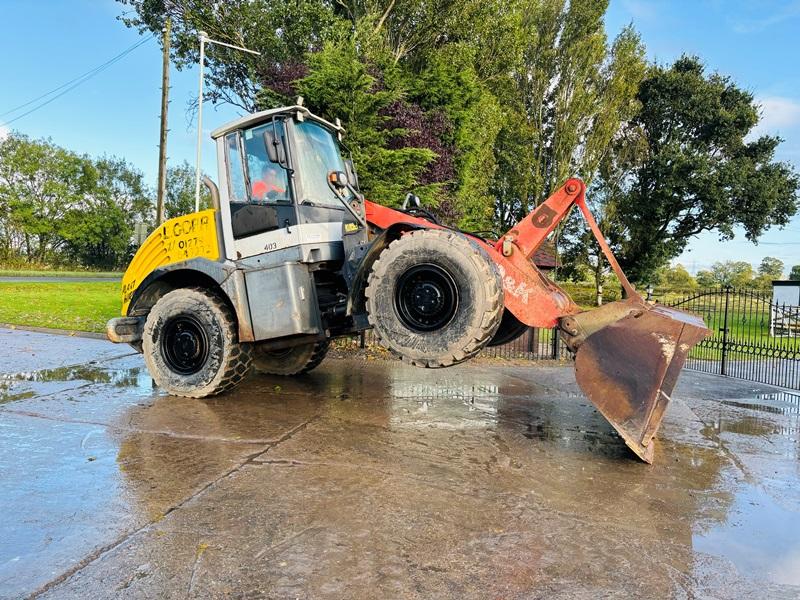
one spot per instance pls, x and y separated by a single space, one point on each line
176 240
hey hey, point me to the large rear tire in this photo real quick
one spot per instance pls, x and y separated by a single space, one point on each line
191 344
434 298
290 361
510 329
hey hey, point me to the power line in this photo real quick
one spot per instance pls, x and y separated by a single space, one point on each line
90 72
71 84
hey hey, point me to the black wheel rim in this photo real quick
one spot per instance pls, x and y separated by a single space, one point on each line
184 344
426 297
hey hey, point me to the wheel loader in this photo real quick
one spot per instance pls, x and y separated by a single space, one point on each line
290 255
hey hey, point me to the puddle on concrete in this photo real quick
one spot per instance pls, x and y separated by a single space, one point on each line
550 431
765 420
584 440
89 373
8 395
781 397
778 403
447 391
10 383
751 426
442 399
760 537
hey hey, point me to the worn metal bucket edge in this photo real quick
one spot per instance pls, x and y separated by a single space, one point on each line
628 367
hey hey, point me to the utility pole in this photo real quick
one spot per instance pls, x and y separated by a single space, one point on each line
162 144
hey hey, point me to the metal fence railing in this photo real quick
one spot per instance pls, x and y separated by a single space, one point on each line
751 337
534 344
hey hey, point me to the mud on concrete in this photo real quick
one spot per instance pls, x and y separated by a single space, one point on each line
369 479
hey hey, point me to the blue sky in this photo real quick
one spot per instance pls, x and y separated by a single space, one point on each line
48 42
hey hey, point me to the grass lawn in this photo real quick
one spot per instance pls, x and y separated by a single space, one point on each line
75 306
40 273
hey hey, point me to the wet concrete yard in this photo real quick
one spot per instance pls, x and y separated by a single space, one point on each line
369 479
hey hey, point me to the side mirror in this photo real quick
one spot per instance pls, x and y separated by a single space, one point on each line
274 146
352 176
337 179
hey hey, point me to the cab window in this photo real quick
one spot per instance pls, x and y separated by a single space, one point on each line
268 181
317 155
237 188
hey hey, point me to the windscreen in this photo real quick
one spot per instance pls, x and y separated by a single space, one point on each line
317 155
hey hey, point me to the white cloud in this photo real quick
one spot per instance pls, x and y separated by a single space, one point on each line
777 114
4 131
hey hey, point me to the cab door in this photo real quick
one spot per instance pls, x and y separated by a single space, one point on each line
262 208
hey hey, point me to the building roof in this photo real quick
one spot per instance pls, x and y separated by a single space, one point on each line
785 282
545 256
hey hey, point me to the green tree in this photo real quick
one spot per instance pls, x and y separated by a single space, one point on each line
676 277
283 31
571 91
56 205
697 171
345 59
794 274
339 86
98 232
727 273
462 102
771 267
705 278
179 199
40 183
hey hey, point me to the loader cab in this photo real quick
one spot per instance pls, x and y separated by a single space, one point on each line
273 180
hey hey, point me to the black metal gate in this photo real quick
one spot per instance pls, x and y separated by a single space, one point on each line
752 338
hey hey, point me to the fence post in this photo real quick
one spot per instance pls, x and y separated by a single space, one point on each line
725 332
555 342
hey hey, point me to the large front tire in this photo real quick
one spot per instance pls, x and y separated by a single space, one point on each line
434 297
290 361
191 344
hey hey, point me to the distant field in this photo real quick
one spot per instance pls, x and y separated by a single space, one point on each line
74 306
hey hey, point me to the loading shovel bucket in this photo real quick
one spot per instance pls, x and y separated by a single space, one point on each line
628 357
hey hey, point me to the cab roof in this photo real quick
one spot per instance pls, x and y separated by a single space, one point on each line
265 115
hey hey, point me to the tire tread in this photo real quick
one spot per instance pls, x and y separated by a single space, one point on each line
493 291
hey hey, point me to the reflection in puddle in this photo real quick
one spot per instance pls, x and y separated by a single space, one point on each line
606 443
760 538
8 395
753 426
549 431
92 374
401 389
135 377
788 397
779 403
446 399
771 406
